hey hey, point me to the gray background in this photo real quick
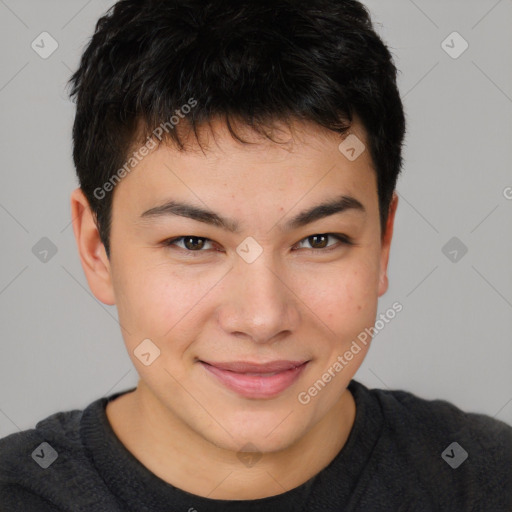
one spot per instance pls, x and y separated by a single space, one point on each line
61 348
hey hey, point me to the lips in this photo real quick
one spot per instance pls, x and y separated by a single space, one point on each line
254 380
256 368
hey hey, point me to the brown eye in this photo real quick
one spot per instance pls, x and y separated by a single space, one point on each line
319 241
188 243
193 242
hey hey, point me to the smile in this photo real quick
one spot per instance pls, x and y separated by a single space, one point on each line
257 381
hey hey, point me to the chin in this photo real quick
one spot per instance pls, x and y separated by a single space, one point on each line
259 444
267 435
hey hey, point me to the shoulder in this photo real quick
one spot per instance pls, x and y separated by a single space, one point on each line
437 419
35 463
463 458
37 447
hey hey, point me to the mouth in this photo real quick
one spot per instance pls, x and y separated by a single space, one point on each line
253 380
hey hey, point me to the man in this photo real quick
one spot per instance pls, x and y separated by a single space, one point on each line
237 164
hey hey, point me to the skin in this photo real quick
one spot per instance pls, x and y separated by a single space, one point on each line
293 303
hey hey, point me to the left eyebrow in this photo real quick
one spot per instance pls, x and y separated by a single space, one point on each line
335 206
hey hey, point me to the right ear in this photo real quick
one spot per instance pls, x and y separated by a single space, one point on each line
92 252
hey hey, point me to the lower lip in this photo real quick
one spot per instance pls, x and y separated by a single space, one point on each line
256 386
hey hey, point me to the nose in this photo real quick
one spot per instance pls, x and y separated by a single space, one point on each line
258 303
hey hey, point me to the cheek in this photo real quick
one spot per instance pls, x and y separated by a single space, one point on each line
145 298
156 305
159 302
344 291
345 299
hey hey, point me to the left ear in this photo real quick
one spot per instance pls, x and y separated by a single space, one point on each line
386 245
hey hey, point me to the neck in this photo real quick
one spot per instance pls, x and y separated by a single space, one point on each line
183 458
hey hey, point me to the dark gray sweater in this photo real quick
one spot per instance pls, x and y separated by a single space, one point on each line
400 456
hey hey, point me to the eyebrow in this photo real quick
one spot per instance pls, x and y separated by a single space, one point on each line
176 208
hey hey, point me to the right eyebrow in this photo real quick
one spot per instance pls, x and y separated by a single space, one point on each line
334 206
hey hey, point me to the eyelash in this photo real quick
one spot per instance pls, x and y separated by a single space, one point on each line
343 239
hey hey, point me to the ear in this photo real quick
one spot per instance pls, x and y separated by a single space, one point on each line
92 252
386 245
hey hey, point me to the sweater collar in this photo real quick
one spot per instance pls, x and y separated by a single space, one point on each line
141 490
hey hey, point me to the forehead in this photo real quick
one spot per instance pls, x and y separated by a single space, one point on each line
301 162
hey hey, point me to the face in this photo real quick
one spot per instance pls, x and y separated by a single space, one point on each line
260 283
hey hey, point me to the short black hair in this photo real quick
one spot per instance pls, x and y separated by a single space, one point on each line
248 61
